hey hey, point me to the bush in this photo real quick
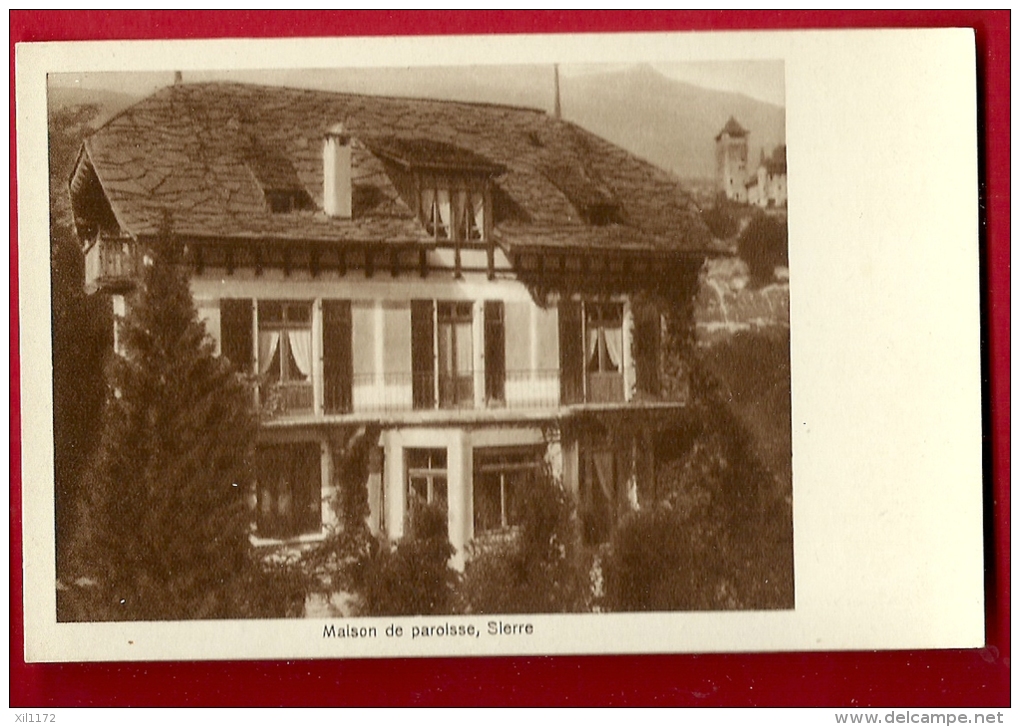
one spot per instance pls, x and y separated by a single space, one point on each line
414 578
538 570
657 562
763 246
720 221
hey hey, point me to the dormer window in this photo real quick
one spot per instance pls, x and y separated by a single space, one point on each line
452 209
453 185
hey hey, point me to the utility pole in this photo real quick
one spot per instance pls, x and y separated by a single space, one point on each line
556 82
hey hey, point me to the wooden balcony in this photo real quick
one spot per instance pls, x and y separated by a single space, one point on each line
112 265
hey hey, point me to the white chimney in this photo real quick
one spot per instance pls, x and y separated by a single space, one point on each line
336 169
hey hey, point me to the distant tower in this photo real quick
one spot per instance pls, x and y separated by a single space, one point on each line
731 160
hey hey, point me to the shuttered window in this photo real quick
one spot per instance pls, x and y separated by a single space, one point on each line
237 342
337 356
423 354
495 351
647 334
571 353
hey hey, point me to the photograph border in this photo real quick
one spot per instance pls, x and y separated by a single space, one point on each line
606 679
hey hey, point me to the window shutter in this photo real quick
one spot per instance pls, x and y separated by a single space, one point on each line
495 351
423 354
571 353
236 342
337 356
646 349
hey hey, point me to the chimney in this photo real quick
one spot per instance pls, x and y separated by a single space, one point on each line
336 173
178 77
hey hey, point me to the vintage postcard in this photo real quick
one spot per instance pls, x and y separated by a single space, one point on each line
531 345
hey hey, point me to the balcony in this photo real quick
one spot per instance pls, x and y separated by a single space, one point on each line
404 393
292 398
395 393
111 264
604 388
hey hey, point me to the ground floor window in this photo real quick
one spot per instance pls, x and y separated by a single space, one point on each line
426 476
500 479
288 490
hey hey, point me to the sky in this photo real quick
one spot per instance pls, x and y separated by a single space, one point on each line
762 80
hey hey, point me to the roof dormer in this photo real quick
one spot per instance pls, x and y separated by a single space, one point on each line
448 186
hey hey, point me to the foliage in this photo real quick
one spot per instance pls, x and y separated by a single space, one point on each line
762 245
718 534
415 577
81 327
658 561
166 529
720 220
538 571
342 560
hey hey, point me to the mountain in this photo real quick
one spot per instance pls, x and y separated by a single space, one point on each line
668 122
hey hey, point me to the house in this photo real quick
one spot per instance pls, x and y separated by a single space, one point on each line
465 289
765 186
731 160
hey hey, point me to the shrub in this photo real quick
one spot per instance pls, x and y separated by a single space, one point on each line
763 246
413 578
656 562
721 222
537 571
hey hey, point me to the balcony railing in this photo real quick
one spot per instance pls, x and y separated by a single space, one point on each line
394 393
291 398
111 264
391 393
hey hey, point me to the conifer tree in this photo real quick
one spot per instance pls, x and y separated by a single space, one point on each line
167 520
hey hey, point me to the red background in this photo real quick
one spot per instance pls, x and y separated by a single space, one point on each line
978 677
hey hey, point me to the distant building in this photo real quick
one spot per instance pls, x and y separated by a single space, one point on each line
766 186
731 160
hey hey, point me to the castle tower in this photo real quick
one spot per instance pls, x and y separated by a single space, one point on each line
731 160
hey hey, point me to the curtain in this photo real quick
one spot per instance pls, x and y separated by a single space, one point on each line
269 341
301 348
443 207
463 222
592 350
614 345
428 198
478 211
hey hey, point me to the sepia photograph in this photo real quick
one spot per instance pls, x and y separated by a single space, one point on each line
499 346
420 341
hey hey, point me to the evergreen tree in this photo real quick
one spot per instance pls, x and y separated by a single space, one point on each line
167 520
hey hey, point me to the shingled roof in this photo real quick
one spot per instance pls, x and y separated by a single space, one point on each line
206 155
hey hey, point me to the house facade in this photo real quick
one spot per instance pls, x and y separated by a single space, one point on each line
458 289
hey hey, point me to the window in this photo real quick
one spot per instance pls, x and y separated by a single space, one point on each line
288 490
495 351
591 352
285 355
500 479
456 375
426 476
452 209
604 351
